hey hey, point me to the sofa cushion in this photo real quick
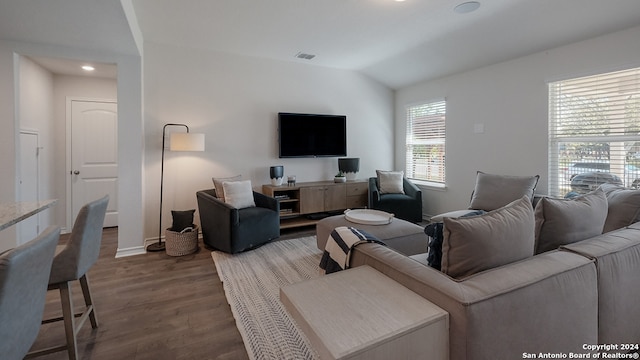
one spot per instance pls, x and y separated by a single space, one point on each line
238 194
565 221
217 184
624 206
494 191
477 243
390 182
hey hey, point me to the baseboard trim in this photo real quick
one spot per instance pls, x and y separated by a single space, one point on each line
136 250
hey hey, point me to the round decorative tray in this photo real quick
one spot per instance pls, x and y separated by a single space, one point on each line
368 216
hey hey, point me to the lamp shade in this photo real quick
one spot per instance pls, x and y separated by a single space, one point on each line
186 142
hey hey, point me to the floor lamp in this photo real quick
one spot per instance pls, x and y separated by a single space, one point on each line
177 142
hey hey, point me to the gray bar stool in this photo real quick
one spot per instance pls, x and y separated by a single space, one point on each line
24 274
72 262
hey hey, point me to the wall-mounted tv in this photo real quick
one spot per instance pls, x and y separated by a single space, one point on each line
312 135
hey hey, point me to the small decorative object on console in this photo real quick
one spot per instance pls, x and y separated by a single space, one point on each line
339 178
276 173
349 167
291 180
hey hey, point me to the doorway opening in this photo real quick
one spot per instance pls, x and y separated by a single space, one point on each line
44 87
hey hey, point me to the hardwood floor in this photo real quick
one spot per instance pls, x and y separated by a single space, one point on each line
152 306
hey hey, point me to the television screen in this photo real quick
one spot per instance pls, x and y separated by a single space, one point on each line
312 135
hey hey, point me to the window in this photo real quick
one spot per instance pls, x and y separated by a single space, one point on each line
594 132
425 142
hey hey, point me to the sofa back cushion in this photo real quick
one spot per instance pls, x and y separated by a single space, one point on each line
624 206
476 243
565 221
494 191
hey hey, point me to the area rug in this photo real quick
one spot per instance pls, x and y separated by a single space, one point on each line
252 281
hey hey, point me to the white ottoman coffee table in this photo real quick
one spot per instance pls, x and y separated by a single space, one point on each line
400 235
362 314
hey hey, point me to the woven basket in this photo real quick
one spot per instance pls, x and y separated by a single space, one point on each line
177 244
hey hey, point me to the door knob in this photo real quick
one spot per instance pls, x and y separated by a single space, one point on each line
76 172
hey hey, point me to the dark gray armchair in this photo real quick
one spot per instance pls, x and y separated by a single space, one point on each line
407 206
232 230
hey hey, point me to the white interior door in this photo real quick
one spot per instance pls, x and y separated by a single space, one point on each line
94 156
29 228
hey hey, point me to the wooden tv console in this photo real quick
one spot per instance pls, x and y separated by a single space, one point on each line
303 199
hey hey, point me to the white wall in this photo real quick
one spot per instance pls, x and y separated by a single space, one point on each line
510 99
35 113
234 101
7 138
80 87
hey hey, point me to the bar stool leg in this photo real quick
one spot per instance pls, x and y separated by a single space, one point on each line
66 299
86 292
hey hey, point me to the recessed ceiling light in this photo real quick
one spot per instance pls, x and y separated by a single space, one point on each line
467 7
88 68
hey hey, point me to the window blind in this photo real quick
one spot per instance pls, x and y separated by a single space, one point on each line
594 127
425 142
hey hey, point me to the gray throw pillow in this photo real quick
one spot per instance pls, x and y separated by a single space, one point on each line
494 191
565 221
217 184
477 243
390 182
624 206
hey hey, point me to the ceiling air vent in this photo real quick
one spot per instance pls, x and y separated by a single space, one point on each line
302 55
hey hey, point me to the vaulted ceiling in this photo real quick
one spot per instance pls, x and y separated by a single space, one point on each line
396 42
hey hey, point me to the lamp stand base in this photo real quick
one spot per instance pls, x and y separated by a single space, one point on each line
156 247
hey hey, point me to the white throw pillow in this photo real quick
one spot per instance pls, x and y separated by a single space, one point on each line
390 182
217 184
238 194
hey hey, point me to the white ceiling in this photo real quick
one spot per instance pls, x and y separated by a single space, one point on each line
89 24
397 43
74 67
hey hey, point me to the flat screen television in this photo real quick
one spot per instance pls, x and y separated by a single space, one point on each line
312 135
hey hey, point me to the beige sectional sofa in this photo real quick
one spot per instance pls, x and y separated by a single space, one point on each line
617 257
554 302
545 303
